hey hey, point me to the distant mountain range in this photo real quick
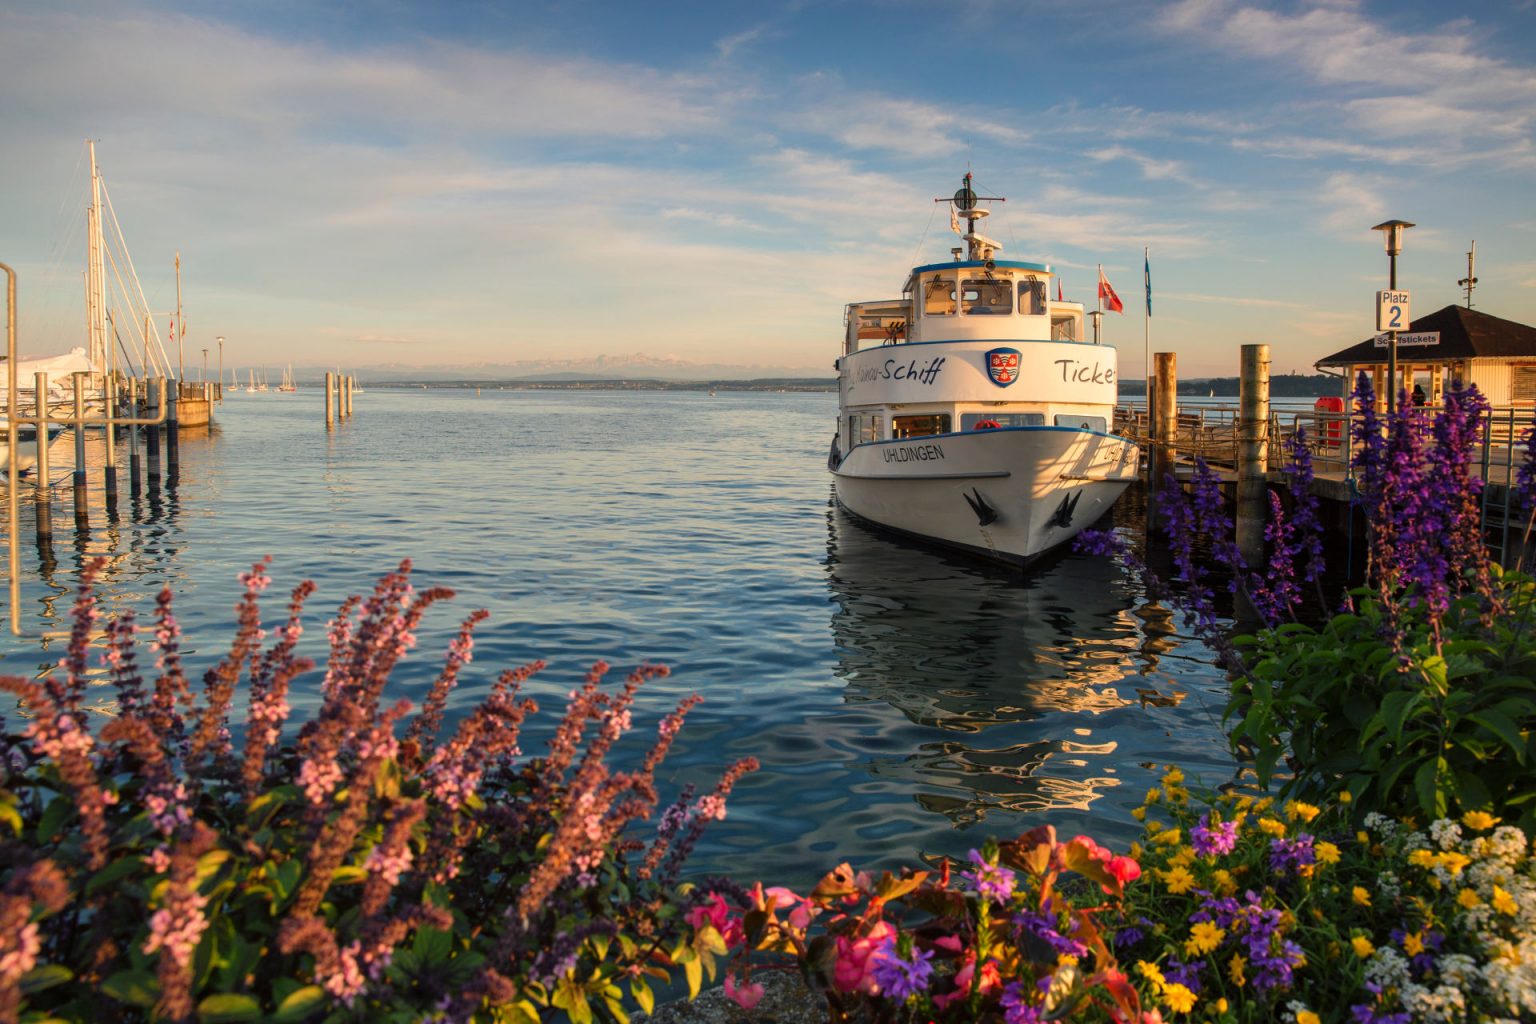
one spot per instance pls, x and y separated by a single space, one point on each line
637 366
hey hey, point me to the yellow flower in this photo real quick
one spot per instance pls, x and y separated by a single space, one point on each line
1178 879
1168 838
1219 1006
1298 811
1273 826
1139 813
1153 795
1203 938
1454 862
1154 827
1178 998
1327 853
1360 896
1363 838
1307 1017
1150 972
1264 805
1183 857
1235 970
1469 898
1363 947
1174 776
1345 798
1479 820
1421 858
1226 885
1134 852
1244 802
1503 902
1413 943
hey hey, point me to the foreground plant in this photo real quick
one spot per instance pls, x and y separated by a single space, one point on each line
364 868
1263 911
1017 934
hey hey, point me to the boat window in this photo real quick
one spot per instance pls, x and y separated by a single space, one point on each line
871 428
1082 422
920 426
1064 328
1032 297
939 296
969 420
987 296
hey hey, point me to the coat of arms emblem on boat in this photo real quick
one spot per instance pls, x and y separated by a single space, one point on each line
1003 366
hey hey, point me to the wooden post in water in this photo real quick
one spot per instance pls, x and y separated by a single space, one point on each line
1165 414
109 475
330 398
133 438
41 482
1253 453
348 382
81 511
152 434
172 430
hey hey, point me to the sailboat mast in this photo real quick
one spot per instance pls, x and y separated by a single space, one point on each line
96 302
181 348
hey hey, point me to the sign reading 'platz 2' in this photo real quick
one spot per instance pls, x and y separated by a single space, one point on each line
1392 311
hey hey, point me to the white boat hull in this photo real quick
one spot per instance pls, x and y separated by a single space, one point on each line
1010 494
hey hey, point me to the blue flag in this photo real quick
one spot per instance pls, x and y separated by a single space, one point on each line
1146 272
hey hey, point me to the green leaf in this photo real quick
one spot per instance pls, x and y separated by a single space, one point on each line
1507 731
1395 708
57 812
433 945
298 1005
114 872
136 988
1431 798
228 1008
639 988
45 977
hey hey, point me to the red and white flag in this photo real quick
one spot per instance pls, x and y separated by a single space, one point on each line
1107 295
1058 291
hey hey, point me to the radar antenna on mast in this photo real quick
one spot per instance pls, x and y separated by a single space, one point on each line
964 201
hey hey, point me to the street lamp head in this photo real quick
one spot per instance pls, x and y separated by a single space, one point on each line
1393 230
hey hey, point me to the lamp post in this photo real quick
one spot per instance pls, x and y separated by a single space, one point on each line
204 379
221 367
1096 315
1393 232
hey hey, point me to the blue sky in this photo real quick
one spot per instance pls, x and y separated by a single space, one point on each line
478 182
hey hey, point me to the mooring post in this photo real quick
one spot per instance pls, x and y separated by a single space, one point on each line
152 434
81 512
109 476
173 432
41 482
348 380
330 398
133 438
1253 453
1165 414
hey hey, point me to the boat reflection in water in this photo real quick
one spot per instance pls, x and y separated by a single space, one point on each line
1040 689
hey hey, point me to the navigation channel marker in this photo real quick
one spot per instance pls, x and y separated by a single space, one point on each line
1392 311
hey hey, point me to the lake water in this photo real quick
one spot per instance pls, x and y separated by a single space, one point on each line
902 702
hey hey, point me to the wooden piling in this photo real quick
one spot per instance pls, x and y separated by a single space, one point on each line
1165 415
172 430
1253 453
82 513
134 467
152 435
347 399
109 473
330 398
41 483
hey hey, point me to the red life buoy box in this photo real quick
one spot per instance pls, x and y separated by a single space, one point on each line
1331 427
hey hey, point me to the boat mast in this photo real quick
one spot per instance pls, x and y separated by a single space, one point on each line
95 273
181 334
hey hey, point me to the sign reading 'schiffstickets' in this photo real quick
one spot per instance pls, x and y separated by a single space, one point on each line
1420 340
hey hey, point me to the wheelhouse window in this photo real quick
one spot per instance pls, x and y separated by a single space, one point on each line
870 428
986 297
1064 328
920 426
969 420
1032 297
1082 422
939 296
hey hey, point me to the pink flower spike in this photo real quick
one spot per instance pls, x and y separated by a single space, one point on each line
745 996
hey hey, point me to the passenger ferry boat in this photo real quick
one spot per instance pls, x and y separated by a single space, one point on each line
972 412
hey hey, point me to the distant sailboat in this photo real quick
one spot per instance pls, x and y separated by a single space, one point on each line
287 384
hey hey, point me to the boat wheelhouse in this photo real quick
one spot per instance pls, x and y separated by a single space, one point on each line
972 412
